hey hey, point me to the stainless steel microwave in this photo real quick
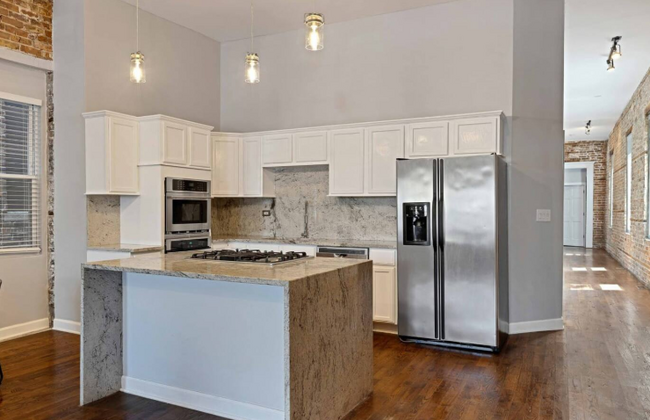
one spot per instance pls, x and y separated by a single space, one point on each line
187 206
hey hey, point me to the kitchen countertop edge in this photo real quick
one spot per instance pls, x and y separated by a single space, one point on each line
306 241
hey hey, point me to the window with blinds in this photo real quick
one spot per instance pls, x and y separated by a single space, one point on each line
19 176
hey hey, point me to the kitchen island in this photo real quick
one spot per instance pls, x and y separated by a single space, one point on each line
291 341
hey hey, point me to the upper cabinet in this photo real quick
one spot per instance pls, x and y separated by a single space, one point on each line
385 146
303 148
171 141
347 162
472 136
237 167
111 153
427 139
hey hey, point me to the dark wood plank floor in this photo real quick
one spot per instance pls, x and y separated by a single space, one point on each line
597 368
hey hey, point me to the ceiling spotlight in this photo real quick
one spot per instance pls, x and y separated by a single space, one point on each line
610 65
588 128
615 52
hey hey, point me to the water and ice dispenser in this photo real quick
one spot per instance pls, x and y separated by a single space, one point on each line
417 219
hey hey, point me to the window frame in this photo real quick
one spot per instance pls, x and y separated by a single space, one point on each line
36 178
629 146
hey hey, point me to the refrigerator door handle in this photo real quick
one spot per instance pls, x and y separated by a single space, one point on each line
434 242
440 246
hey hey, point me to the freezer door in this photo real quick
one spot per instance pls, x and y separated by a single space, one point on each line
416 245
469 249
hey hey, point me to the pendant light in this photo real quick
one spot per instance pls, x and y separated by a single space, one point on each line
137 58
252 73
314 35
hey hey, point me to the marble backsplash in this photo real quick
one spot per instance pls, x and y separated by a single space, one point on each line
302 209
103 225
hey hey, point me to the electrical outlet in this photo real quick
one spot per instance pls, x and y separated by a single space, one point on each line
543 215
266 213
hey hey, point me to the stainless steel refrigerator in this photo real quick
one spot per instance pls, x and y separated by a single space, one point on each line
452 251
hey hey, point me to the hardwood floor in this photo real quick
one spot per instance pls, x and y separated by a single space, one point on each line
597 368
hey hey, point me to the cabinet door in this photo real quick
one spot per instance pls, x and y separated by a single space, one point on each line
384 291
174 143
200 147
252 167
276 150
310 147
475 136
123 156
347 162
385 146
225 166
427 139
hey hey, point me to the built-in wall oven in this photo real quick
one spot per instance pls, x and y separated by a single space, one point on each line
187 214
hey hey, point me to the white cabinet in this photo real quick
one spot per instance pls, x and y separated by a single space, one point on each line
428 139
200 147
384 290
277 150
473 136
174 142
225 166
237 168
310 148
251 167
112 153
385 146
347 162
305 148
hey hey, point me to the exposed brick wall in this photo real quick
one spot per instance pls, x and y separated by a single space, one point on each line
632 249
26 26
593 151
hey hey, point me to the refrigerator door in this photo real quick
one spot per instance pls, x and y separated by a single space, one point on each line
469 248
416 248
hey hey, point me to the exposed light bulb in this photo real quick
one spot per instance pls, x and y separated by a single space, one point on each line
314 37
252 68
138 74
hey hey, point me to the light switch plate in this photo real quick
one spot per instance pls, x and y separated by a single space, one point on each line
543 215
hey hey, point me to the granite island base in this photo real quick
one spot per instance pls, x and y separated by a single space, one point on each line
292 341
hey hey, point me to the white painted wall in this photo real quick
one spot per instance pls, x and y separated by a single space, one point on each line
536 158
92 43
182 65
439 60
224 341
23 297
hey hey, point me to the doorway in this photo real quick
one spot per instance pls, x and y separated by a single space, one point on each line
574 215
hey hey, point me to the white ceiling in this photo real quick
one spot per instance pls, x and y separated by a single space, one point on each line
229 20
590 92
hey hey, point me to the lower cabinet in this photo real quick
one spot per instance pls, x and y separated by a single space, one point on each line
384 291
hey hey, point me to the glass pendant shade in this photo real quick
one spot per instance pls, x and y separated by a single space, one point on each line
314 35
137 68
252 68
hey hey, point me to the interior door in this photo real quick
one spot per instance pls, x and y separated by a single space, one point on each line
574 215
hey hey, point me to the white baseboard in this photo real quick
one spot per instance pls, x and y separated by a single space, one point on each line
536 326
201 402
382 327
19 330
64 325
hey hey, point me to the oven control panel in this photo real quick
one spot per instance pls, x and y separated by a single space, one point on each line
188 185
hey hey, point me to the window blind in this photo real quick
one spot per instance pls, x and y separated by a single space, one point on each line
19 176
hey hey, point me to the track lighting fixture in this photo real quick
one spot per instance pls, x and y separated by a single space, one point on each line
588 128
610 65
615 52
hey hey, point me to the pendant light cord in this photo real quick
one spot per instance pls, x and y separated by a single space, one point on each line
252 22
137 25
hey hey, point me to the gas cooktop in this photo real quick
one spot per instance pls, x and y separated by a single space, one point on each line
251 256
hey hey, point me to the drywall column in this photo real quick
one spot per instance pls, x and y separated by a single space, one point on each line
69 157
536 166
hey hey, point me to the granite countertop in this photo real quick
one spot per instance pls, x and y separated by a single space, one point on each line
308 241
132 248
178 264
